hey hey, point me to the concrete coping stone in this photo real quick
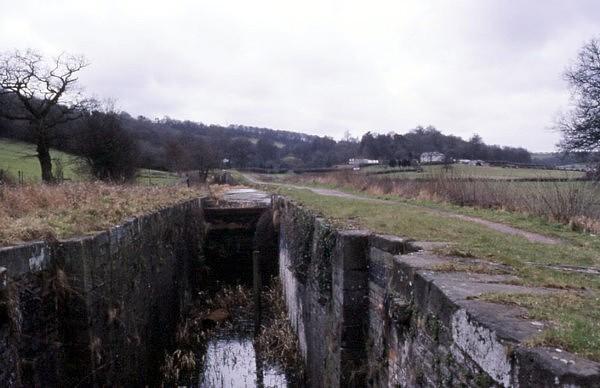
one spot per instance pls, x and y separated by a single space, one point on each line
456 294
562 364
249 196
357 233
428 245
27 257
391 244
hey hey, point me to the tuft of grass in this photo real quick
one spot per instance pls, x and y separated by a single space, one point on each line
33 212
475 267
180 367
574 319
178 364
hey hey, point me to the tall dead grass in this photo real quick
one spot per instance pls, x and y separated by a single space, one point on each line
276 341
35 211
576 203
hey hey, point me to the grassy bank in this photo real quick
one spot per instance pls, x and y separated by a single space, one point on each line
574 325
34 211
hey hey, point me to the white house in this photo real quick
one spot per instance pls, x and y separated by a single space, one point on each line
432 157
362 162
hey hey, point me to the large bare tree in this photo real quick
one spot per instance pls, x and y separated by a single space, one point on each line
43 93
581 126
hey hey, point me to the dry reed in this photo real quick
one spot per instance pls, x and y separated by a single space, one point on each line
34 211
570 202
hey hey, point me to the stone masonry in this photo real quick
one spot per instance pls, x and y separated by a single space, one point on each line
371 310
93 310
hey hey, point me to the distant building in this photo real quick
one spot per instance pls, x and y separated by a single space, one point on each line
476 162
432 157
576 167
362 162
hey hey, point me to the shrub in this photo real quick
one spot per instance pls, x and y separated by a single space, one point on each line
107 151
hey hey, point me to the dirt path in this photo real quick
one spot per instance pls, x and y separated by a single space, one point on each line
502 228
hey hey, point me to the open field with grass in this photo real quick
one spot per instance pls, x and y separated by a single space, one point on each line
18 156
156 177
34 211
476 172
573 311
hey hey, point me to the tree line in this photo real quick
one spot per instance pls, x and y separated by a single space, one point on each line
409 146
41 103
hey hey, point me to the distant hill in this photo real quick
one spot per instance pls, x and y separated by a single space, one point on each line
169 144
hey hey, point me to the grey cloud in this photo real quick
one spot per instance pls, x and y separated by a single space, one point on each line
492 67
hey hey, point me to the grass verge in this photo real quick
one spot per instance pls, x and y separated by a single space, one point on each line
529 261
575 320
34 211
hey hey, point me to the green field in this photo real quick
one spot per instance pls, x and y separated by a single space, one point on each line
18 156
155 177
485 172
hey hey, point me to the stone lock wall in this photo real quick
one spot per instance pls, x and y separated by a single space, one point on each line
323 273
94 310
370 310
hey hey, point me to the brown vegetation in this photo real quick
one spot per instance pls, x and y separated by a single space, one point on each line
276 340
193 332
33 212
573 202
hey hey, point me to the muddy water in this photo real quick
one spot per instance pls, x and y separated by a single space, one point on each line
231 359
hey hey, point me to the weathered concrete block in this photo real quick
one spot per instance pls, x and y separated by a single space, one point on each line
391 244
25 258
350 251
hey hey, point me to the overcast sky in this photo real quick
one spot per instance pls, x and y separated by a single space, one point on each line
324 67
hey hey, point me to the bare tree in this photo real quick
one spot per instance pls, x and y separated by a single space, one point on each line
42 93
581 126
203 158
178 155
